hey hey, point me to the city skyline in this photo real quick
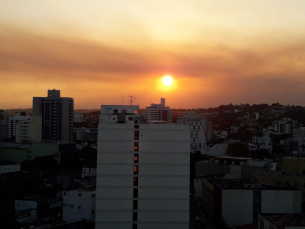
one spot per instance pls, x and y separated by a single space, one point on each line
101 52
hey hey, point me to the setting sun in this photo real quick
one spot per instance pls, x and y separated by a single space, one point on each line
167 80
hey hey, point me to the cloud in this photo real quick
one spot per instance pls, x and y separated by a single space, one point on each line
219 71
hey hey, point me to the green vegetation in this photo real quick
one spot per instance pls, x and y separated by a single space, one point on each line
238 149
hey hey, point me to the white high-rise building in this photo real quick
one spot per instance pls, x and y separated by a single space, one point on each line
197 130
142 172
57 115
159 112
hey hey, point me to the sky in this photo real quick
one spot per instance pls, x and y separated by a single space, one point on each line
100 52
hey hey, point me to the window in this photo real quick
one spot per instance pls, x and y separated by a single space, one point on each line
135 181
124 111
79 194
135 216
135 193
136 135
136 146
92 212
115 111
93 195
135 205
136 126
113 118
136 158
134 226
79 207
135 169
136 111
136 121
130 118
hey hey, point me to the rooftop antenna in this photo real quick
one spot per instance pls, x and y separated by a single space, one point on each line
131 98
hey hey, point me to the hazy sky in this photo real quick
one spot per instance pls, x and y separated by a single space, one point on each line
98 52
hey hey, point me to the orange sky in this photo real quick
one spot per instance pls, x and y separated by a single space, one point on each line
100 51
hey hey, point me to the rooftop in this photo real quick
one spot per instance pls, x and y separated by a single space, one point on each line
286 220
14 145
223 183
7 162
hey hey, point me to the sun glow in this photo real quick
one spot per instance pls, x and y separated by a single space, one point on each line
167 80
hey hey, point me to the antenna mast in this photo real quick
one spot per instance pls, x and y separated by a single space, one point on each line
131 98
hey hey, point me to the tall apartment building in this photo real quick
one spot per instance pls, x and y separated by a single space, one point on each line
2 125
197 130
57 115
142 172
159 112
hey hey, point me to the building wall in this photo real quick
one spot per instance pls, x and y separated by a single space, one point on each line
57 115
12 154
296 181
197 130
217 149
29 130
198 188
293 165
78 205
162 181
25 210
237 206
281 201
9 168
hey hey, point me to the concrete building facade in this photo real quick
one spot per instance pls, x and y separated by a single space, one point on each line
240 203
29 130
197 130
263 142
78 205
142 172
57 115
8 167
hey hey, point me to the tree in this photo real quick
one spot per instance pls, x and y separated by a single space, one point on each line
260 154
238 149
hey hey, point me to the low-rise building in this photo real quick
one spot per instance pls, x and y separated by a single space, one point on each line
78 205
26 209
239 202
263 142
78 117
292 174
88 171
235 167
9 167
281 221
19 152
